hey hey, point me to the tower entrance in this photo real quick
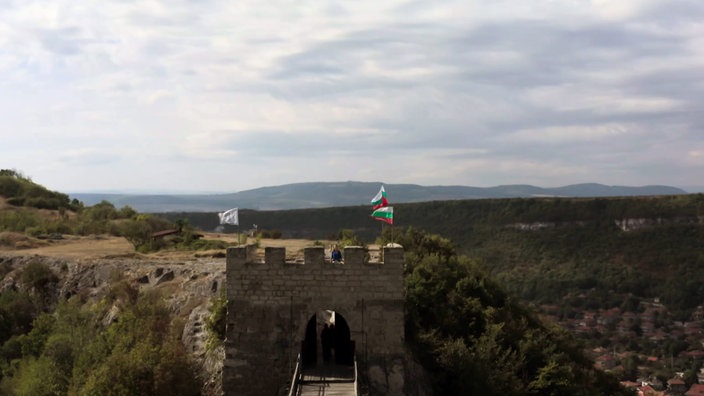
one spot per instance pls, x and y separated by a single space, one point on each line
327 340
277 312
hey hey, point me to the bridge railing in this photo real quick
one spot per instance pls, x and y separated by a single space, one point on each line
356 383
296 379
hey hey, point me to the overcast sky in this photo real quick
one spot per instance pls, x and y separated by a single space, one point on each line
225 96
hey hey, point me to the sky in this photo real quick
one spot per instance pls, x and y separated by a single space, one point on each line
226 96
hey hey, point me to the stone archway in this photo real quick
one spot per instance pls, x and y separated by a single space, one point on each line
342 344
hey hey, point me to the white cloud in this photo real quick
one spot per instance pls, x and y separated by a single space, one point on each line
570 134
182 93
622 9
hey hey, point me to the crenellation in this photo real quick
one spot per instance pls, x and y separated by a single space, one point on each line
275 256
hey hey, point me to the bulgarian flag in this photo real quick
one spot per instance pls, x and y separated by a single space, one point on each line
385 214
379 200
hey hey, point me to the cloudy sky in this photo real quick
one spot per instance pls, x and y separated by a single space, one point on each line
224 96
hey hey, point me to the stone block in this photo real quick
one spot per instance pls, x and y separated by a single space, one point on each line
354 255
314 256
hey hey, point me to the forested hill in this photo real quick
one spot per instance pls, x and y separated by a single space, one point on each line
335 194
539 248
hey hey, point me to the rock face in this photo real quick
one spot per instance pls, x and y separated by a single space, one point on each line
643 223
627 224
189 286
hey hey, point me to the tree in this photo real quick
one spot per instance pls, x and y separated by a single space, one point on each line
138 231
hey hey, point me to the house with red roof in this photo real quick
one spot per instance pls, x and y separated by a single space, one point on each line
695 390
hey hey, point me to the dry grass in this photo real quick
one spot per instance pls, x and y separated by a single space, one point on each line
17 241
101 246
69 247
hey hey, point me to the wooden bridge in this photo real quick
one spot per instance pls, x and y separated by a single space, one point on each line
324 380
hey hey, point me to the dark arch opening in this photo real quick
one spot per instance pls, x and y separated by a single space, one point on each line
341 344
309 346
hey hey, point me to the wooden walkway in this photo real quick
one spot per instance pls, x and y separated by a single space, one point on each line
328 380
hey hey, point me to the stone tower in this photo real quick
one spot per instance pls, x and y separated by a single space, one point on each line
272 309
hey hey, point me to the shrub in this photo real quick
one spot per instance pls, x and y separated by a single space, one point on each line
17 312
123 291
18 221
349 238
138 232
5 268
126 212
38 275
216 323
206 244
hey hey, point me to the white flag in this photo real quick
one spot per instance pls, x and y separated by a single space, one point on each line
229 217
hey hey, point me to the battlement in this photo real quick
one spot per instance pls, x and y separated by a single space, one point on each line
352 256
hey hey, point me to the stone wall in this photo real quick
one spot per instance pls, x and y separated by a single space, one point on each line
270 304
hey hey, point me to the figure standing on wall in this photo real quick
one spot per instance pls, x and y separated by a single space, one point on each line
336 255
326 341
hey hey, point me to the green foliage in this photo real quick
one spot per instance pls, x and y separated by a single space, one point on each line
38 276
37 376
349 238
32 223
19 190
69 353
5 268
126 212
23 193
417 244
474 339
101 211
32 343
122 291
17 311
19 220
216 322
138 231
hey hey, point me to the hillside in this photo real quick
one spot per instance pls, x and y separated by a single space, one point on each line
322 195
187 283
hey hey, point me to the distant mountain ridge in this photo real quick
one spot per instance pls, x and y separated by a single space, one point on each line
351 193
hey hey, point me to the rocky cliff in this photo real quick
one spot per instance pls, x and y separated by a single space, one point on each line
187 287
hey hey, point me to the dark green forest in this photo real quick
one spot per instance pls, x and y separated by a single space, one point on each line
574 247
474 339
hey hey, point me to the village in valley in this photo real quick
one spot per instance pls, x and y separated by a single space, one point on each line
646 348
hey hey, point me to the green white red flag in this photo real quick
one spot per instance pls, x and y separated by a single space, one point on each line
379 200
385 214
